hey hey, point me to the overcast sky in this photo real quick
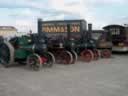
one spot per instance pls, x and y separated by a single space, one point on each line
23 14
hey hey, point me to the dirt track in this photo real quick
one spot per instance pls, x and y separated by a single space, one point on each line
105 77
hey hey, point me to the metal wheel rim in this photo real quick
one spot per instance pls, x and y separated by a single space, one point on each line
50 59
11 53
96 54
106 53
71 57
65 57
53 57
75 56
87 55
36 66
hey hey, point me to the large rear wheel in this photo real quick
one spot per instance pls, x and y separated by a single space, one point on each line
64 57
6 54
87 55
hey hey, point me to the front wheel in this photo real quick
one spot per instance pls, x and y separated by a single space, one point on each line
106 53
50 59
34 62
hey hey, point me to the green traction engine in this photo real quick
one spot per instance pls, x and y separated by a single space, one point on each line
84 45
104 44
87 47
28 49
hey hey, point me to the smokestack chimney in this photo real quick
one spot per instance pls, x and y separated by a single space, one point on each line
89 34
126 29
89 27
68 33
39 26
30 31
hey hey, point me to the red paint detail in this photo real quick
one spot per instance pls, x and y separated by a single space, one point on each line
43 60
87 55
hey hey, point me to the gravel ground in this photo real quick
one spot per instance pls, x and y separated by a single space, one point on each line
105 77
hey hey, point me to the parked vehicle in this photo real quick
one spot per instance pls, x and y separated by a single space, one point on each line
119 35
31 50
69 38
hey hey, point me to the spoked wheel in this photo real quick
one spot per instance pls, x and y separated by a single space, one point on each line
34 62
87 55
75 56
96 54
65 57
6 54
106 53
49 59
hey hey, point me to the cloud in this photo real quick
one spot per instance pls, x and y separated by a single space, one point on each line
24 25
24 13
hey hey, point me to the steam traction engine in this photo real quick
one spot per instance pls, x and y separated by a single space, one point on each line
69 38
26 49
104 44
87 46
119 35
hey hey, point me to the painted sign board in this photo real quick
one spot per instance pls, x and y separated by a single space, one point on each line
62 26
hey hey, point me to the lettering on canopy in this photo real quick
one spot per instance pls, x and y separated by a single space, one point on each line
60 27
